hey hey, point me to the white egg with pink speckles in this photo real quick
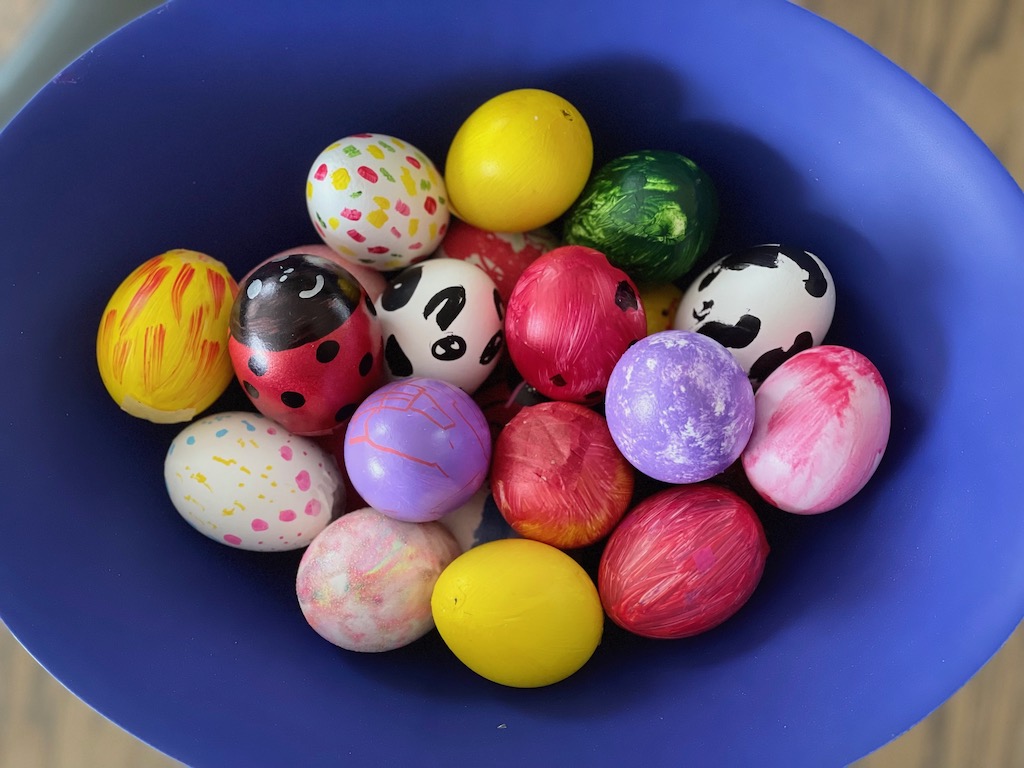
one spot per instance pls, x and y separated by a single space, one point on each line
246 482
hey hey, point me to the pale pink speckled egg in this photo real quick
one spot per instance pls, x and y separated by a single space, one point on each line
365 582
821 426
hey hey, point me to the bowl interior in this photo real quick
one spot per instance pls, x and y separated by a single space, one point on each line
195 126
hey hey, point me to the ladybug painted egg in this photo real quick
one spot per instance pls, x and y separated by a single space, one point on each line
377 200
442 319
305 342
502 255
764 304
570 318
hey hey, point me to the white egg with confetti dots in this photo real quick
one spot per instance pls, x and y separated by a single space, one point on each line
377 200
243 480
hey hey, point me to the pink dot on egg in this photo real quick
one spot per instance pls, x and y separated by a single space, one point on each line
271 431
286 452
302 480
230 538
313 507
259 525
286 515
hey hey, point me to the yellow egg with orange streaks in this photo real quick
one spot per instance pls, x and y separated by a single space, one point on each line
519 161
162 345
518 612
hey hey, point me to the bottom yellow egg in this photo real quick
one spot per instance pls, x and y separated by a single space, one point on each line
518 612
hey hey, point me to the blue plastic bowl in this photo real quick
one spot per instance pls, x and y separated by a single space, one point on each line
195 126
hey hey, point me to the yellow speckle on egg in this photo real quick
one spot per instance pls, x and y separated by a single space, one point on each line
333 222
309 189
375 151
382 202
408 182
433 230
377 218
227 511
398 142
340 179
414 224
225 462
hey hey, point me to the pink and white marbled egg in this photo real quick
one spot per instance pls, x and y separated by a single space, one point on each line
821 426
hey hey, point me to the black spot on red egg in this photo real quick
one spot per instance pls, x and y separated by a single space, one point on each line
258 365
251 390
345 412
327 351
293 399
625 297
366 364
558 380
595 395
369 305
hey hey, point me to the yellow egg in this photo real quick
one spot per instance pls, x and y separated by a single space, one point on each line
162 346
518 161
660 305
518 612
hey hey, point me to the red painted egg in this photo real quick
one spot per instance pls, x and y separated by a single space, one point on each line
305 343
568 321
682 562
557 476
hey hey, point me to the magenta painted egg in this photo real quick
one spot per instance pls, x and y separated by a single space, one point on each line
305 342
821 426
417 449
364 583
569 319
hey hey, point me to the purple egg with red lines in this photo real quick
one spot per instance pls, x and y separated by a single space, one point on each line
417 449
305 342
821 427
679 406
377 200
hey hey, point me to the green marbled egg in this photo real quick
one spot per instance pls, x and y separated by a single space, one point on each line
652 213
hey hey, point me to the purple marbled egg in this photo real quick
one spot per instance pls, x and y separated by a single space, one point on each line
679 407
417 449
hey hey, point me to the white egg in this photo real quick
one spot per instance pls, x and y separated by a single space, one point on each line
377 200
765 304
442 319
245 481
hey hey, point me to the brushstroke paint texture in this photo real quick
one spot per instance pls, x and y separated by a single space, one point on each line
364 584
569 319
557 476
822 422
162 345
682 562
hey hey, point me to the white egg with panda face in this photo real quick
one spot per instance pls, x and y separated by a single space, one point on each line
442 319
764 304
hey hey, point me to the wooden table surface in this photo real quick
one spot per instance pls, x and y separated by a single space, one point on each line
971 54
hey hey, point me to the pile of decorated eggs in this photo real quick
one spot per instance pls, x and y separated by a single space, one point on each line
451 400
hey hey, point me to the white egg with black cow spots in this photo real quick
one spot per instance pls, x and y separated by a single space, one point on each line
442 319
243 480
764 304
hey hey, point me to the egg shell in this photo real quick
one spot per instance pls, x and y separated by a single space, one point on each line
502 255
558 476
821 428
764 304
377 200
365 582
679 407
652 213
416 449
162 344
661 304
478 521
518 612
372 280
305 343
682 562
442 319
569 319
244 481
